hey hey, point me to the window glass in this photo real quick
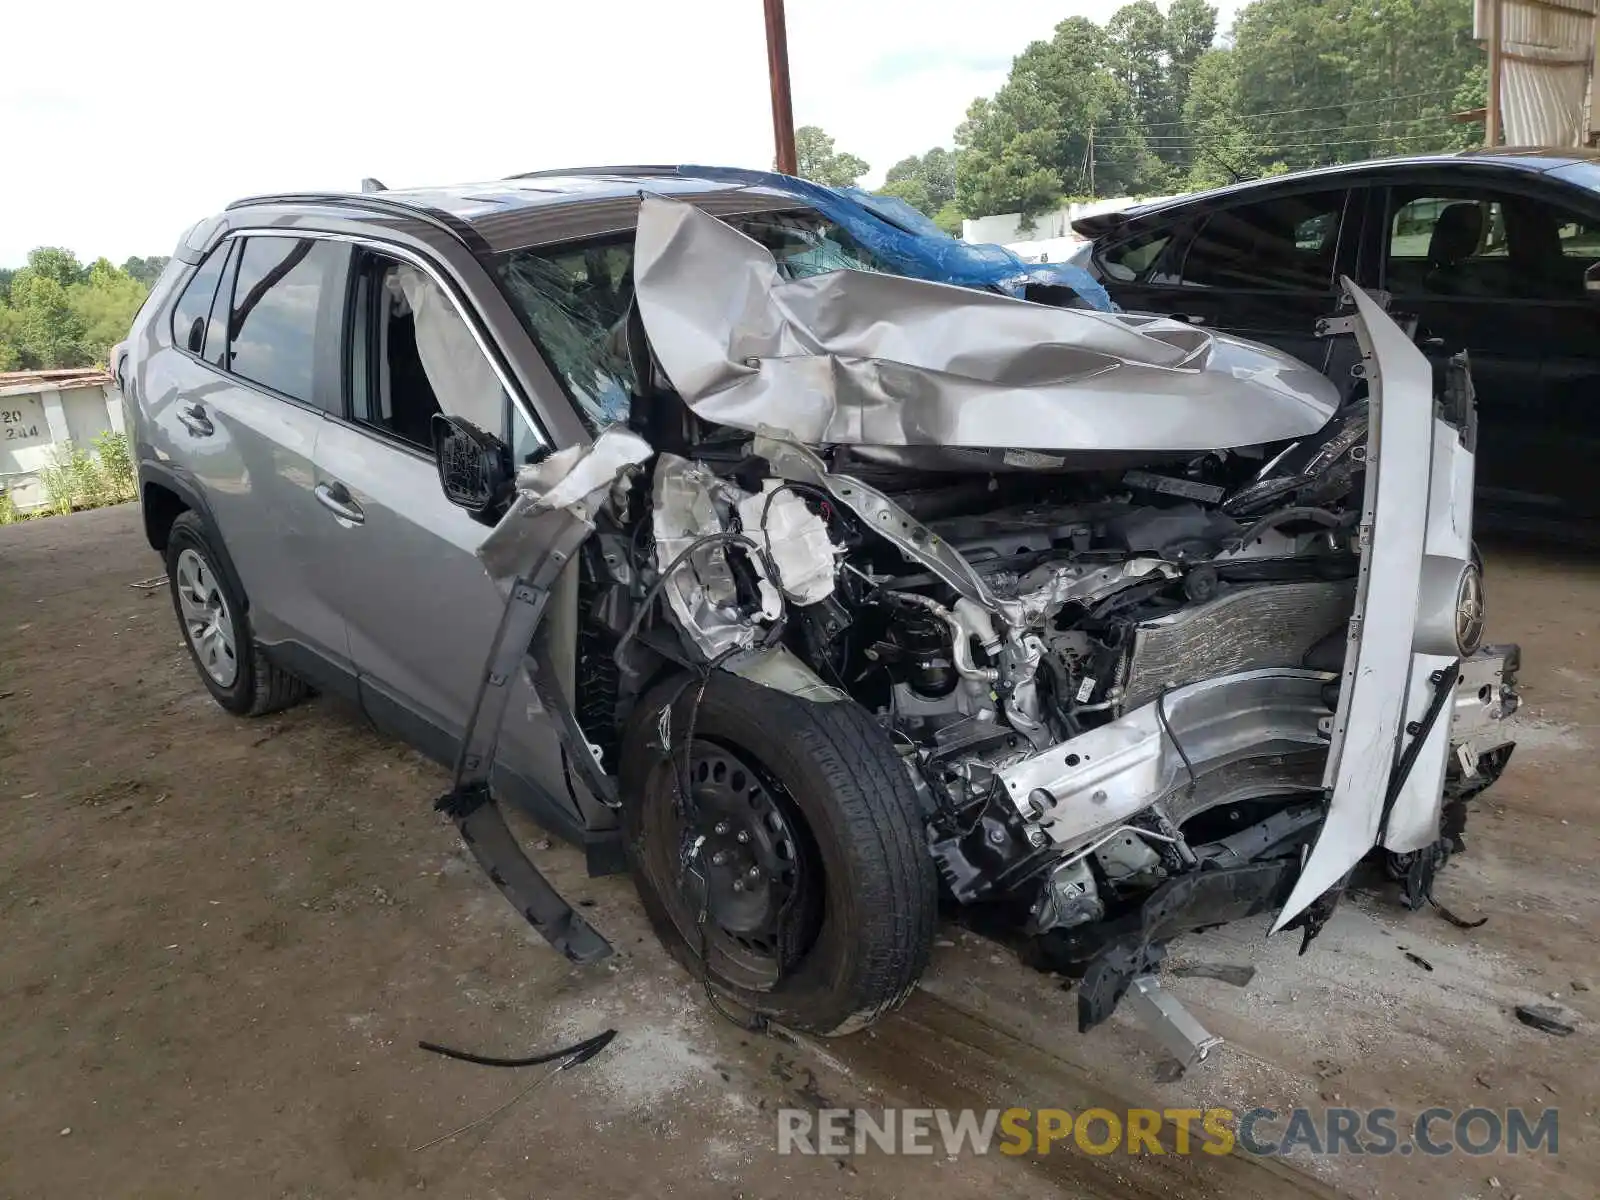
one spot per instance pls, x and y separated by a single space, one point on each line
526 445
575 302
808 244
1285 244
1580 238
278 295
1488 246
1132 260
190 313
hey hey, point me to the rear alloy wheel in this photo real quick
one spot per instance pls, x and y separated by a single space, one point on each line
211 613
784 861
206 619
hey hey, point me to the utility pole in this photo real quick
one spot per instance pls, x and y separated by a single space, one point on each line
778 69
1091 163
1491 121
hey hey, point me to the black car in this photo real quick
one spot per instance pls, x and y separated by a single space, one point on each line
1496 252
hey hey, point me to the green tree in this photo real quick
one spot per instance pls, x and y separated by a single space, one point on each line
105 305
10 334
57 313
924 181
53 262
1191 31
818 161
1029 145
146 270
949 218
48 333
1303 82
1137 53
1224 149
1324 81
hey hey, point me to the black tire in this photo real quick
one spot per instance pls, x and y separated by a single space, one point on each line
851 805
257 686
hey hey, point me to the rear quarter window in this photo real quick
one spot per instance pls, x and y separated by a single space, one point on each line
193 308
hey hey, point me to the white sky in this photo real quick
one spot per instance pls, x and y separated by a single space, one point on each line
126 122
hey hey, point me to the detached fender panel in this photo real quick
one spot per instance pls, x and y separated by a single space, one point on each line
1380 668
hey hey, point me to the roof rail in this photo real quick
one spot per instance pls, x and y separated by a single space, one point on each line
557 172
369 202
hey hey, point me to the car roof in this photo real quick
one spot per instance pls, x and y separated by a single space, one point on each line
1534 160
544 207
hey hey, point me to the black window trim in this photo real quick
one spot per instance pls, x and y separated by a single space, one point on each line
486 343
229 277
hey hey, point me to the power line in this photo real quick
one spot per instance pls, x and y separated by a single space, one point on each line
1128 139
1366 141
1282 112
1221 139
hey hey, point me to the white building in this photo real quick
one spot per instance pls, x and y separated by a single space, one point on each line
40 410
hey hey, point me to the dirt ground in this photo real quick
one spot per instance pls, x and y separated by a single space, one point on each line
223 938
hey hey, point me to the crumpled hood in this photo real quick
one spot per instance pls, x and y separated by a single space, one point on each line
852 357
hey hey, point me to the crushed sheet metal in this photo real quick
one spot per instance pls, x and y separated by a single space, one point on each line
701 593
566 481
1380 670
860 358
1081 786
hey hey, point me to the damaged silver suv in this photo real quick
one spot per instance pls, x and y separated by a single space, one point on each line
702 515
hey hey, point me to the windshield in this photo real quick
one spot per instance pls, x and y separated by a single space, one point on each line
574 299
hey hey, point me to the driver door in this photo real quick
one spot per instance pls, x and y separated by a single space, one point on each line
421 611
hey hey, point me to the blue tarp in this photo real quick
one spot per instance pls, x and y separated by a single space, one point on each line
907 241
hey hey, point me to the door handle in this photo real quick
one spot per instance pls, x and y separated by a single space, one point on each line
336 498
193 418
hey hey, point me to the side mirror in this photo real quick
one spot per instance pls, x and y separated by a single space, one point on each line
1591 279
474 467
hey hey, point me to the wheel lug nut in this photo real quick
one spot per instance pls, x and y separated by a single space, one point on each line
718 858
720 827
754 872
742 836
738 885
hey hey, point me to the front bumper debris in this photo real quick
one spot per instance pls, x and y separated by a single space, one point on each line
1486 695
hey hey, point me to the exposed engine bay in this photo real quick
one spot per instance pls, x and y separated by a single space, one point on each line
1119 679
1078 600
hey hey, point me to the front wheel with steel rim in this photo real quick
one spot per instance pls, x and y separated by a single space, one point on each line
782 859
211 613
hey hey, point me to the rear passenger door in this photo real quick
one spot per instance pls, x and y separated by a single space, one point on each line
255 365
1265 269
1501 273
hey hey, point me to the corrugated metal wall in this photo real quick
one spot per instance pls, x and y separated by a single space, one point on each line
1548 52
